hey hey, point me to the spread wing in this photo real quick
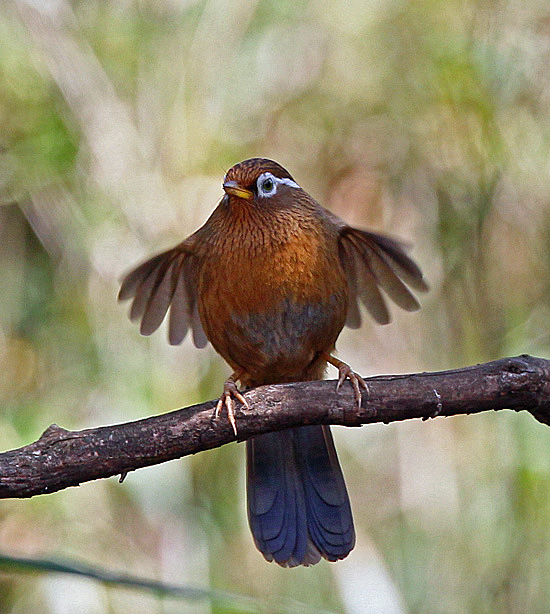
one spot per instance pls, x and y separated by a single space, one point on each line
166 281
372 263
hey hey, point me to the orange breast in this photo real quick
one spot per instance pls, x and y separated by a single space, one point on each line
269 304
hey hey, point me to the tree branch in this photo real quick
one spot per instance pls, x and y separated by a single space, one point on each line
62 458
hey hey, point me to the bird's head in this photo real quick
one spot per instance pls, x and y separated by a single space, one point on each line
259 181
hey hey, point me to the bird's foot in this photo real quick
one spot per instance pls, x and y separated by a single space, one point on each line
346 372
230 391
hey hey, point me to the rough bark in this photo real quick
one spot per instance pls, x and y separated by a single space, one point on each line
62 458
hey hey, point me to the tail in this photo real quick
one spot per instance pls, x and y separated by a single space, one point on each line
298 505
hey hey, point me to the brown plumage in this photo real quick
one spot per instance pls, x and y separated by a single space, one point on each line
270 280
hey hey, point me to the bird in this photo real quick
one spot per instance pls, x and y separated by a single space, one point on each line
270 280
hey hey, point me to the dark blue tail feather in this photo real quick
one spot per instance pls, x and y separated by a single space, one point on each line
298 506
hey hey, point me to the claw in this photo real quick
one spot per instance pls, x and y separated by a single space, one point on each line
230 390
346 372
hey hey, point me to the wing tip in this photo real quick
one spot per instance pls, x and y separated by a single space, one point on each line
382 264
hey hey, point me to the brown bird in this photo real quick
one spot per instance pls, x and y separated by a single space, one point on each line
270 280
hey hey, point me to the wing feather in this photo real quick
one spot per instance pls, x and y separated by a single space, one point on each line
166 281
347 259
367 286
373 262
178 321
160 298
394 252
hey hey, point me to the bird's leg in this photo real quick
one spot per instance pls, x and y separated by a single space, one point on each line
346 372
230 390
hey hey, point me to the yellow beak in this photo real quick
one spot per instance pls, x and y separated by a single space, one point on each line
234 189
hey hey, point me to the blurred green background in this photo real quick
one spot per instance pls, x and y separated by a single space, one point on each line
427 119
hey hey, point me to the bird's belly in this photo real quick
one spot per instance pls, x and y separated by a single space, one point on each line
278 343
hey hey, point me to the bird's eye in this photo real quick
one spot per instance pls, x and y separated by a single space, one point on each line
267 186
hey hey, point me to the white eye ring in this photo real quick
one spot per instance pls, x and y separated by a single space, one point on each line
267 184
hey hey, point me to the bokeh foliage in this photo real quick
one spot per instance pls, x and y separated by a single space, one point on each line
428 119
